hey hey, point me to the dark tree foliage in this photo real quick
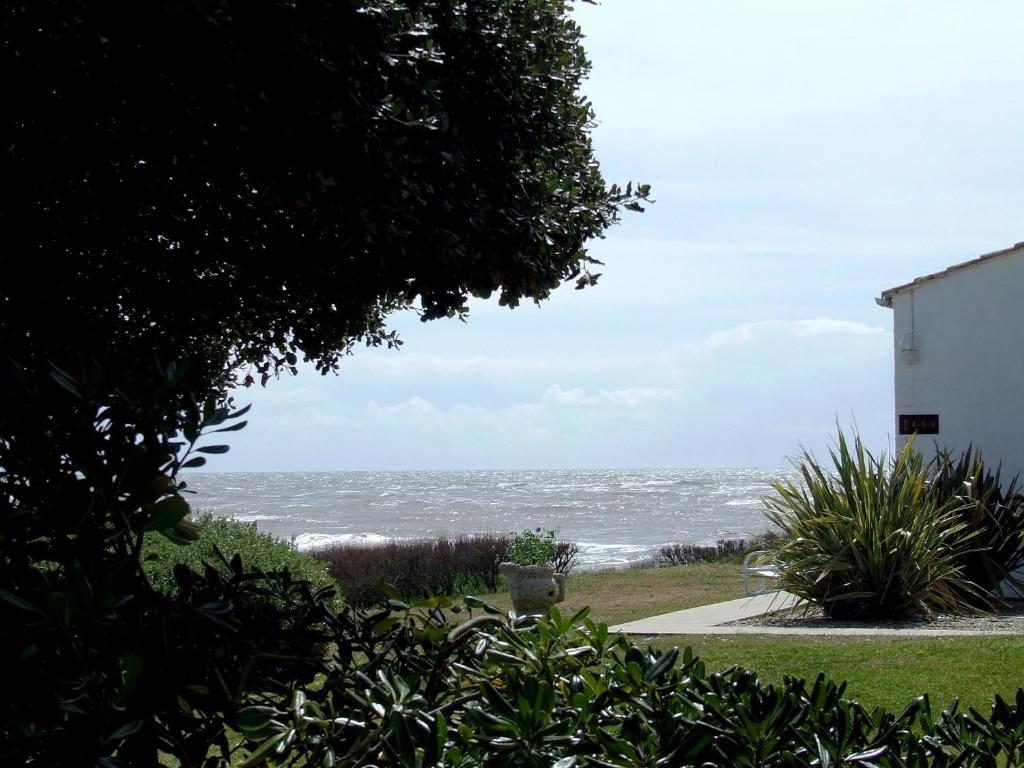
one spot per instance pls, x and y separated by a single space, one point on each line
96 666
193 188
250 182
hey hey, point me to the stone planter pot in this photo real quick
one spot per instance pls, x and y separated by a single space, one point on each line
533 588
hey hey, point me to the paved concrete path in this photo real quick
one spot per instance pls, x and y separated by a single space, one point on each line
713 620
707 618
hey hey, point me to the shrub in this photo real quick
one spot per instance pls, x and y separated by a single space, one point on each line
531 548
444 566
867 540
99 667
565 557
423 567
992 518
259 551
722 551
535 548
408 689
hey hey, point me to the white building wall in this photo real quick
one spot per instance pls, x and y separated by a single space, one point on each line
959 347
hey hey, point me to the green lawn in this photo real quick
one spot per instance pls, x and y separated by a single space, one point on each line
882 672
618 596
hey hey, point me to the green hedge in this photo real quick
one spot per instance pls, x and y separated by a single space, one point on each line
407 688
258 550
442 566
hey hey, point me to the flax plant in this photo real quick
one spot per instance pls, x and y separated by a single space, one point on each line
865 539
994 514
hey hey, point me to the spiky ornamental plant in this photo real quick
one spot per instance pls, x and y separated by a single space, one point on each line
865 539
993 516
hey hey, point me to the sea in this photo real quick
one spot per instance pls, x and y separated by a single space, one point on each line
617 517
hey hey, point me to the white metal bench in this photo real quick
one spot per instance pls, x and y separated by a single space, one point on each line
762 572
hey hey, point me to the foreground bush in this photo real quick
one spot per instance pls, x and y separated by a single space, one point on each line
99 667
258 551
444 566
866 539
407 688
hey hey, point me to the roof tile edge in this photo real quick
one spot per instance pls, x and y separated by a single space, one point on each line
885 300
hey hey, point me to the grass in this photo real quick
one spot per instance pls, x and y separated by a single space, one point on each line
881 672
628 594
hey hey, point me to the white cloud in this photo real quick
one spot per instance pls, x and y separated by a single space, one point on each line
759 332
413 364
745 395
414 405
823 325
631 399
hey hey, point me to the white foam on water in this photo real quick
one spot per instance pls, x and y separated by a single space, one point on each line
593 554
313 540
620 516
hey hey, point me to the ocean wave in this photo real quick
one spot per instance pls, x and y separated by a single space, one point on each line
621 515
314 540
594 554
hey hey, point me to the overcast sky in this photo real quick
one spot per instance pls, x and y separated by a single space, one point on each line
804 156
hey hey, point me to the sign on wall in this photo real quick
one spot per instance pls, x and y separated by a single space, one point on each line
919 423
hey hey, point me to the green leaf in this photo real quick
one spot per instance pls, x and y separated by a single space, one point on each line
125 731
168 513
254 721
214 449
130 666
384 625
232 428
210 410
13 599
866 755
239 412
663 665
260 755
185 532
66 382
389 591
476 602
